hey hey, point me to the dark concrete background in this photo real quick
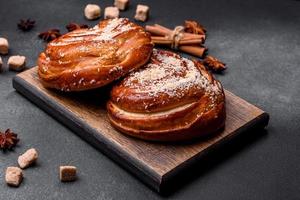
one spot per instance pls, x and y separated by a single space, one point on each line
259 41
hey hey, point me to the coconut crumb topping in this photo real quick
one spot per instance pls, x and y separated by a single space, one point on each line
171 75
113 28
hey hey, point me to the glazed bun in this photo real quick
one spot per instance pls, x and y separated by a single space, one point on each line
169 99
90 58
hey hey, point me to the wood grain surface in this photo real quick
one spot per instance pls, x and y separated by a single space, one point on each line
154 163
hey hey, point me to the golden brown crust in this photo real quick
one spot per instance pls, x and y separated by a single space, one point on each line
90 58
169 99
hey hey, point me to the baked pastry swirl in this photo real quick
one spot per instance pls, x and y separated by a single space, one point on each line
169 99
90 58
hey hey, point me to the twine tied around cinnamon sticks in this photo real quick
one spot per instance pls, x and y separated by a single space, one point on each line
176 36
178 39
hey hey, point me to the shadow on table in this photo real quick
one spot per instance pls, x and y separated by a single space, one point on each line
211 160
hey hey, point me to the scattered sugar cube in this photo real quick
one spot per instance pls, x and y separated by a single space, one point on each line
28 158
92 11
111 12
13 176
16 63
67 173
141 13
3 46
121 4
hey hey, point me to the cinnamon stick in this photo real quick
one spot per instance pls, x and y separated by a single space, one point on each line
163 28
156 31
169 31
163 31
193 50
184 41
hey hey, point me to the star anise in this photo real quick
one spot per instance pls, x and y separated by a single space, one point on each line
50 35
194 27
74 26
8 140
214 64
26 25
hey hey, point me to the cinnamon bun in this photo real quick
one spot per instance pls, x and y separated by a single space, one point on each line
90 58
169 99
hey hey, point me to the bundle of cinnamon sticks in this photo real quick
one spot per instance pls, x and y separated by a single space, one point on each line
190 38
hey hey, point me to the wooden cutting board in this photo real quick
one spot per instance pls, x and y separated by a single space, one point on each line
156 164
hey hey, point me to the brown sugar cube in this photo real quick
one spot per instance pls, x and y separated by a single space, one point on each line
27 158
111 12
67 173
141 13
13 176
121 4
3 46
92 11
16 63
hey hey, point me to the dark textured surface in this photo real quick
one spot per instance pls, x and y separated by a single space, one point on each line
259 41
